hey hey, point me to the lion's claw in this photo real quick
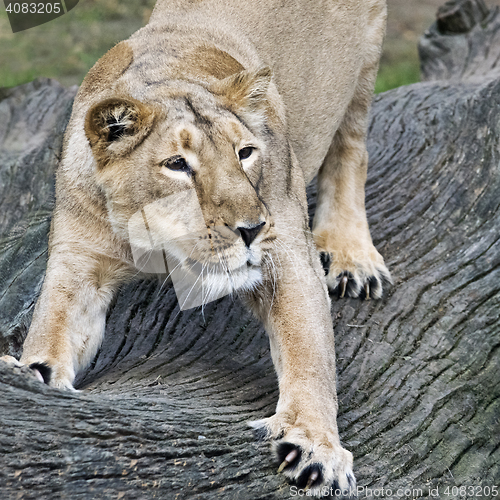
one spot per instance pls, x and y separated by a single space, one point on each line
349 285
288 459
38 375
343 286
313 475
288 454
42 372
312 480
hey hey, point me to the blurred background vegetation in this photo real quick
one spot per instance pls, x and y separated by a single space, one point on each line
67 47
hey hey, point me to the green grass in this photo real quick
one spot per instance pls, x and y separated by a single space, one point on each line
67 47
8 79
397 74
399 65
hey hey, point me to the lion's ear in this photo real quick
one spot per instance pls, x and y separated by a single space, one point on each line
116 126
245 90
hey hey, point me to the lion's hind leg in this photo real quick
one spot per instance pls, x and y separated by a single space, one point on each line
353 265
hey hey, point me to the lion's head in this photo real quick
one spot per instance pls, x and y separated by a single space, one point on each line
180 170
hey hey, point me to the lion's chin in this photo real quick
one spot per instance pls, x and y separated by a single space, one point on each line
194 289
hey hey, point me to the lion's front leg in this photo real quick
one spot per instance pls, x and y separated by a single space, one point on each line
69 318
297 317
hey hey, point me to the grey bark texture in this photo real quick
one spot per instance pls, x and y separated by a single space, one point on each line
163 407
463 43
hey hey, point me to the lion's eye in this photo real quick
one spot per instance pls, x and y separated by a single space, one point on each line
177 164
245 153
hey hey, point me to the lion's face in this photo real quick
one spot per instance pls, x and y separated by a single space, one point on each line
181 177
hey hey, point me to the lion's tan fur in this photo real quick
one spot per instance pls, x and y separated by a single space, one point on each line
200 81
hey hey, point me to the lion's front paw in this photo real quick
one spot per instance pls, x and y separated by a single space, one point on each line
365 276
316 465
57 377
39 370
311 462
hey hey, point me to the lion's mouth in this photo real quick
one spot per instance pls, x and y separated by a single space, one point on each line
199 284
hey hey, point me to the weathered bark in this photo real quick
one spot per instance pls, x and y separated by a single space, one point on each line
463 43
163 408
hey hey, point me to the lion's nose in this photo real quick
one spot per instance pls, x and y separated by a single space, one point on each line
248 234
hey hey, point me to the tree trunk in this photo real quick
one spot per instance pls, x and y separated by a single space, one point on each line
163 407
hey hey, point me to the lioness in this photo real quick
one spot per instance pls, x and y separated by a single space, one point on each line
201 132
